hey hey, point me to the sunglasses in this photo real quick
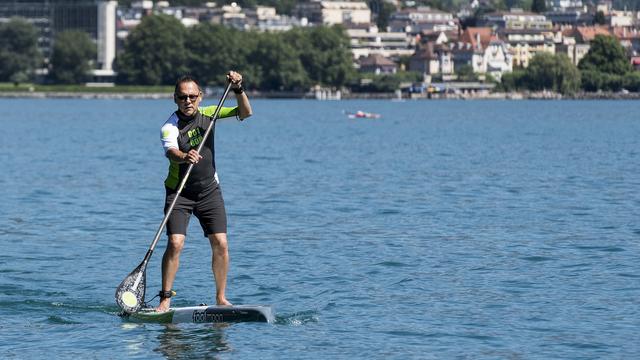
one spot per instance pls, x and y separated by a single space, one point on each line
190 97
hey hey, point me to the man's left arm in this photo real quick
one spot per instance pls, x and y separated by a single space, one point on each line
244 107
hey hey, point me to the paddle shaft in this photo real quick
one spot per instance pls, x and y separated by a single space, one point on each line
216 113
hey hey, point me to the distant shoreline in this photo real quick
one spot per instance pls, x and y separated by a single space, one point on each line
80 95
345 96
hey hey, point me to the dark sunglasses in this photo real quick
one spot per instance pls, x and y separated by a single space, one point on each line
184 97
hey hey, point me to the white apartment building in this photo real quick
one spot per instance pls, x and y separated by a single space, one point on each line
334 12
517 19
620 18
414 21
365 42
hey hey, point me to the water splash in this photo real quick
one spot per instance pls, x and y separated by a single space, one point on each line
298 318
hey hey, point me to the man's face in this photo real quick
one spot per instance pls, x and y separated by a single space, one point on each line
188 98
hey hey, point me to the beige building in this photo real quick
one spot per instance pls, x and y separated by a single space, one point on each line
432 59
573 50
365 42
415 21
480 48
516 19
334 12
620 18
377 64
525 44
576 41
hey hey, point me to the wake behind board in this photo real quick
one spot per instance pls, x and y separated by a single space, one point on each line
207 314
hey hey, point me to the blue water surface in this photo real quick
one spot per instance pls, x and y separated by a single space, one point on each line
444 229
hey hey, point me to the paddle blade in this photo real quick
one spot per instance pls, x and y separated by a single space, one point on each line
130 292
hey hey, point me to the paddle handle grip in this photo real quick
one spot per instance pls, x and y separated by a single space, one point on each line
215 115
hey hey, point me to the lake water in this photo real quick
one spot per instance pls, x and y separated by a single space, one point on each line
444 229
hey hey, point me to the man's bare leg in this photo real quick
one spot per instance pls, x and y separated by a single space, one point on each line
170 263
220 265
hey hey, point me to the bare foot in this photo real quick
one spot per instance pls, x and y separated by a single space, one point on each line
223 301
164 305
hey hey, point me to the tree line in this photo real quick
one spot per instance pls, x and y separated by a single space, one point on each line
71 60
160 49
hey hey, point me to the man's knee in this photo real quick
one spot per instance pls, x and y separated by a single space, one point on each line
176 243
218 241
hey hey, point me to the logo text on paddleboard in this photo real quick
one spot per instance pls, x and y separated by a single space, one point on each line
201 316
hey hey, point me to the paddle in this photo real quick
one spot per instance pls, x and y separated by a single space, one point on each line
130 292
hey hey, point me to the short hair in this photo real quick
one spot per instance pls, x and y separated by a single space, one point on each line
184 79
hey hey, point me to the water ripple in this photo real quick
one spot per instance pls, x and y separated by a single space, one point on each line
443 230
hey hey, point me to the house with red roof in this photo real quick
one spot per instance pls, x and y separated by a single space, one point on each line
629 38
377 64
484 51
432 58
576 41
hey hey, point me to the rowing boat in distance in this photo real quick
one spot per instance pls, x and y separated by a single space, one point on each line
363 115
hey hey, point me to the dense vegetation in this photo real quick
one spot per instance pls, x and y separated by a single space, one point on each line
19 54
553 72
161 49
73 53
605 67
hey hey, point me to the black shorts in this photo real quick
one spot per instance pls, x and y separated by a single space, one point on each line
206 205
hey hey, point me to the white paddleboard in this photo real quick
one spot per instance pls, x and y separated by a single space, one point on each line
207 314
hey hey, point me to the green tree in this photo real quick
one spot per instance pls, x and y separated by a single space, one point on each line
552 72
154 52
539 6
212 50
606 55
325 54
277 65
465 73
244 60
72 56
512 81
19 54
632 81
596 80
384 82
606 66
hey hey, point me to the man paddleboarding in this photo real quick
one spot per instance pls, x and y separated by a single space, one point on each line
201 195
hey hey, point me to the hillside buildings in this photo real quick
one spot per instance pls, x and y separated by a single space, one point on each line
430 41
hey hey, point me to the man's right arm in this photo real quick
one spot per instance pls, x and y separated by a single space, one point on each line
176 155
169 135
191 157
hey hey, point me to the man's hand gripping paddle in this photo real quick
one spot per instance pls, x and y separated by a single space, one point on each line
130 292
